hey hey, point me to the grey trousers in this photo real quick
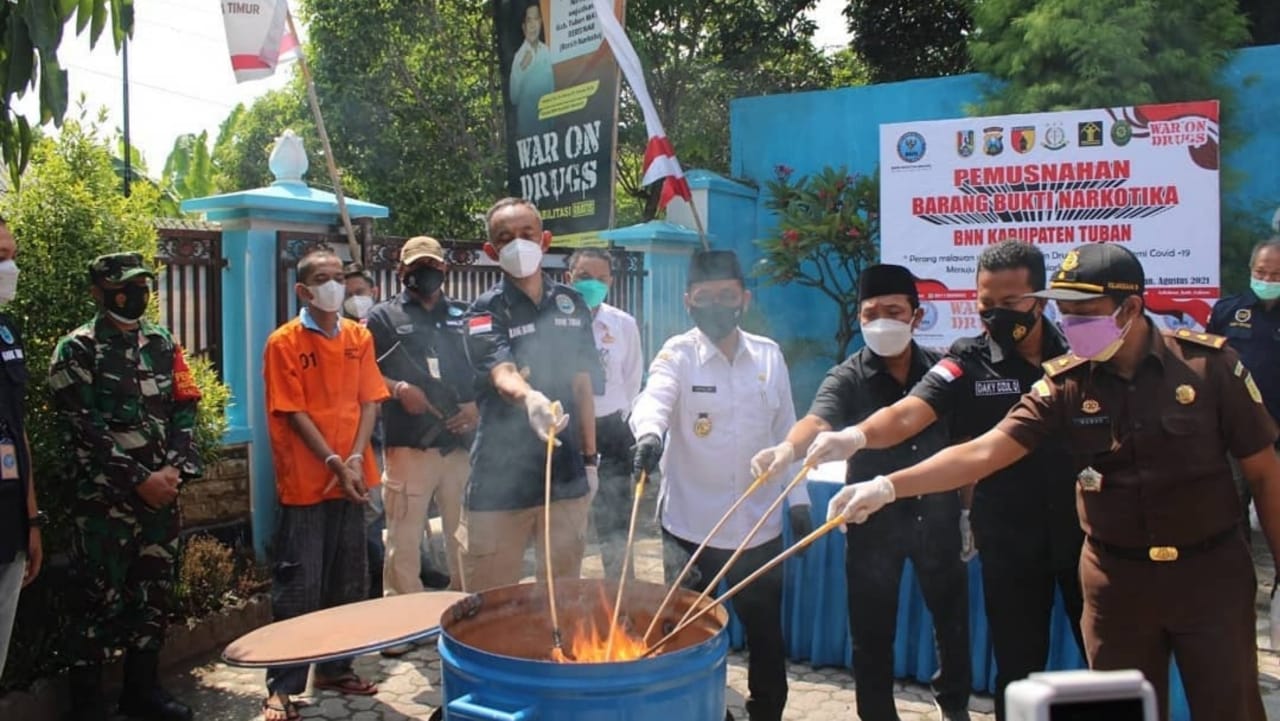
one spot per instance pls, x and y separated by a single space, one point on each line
319 562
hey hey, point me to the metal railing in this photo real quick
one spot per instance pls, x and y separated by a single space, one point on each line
189 289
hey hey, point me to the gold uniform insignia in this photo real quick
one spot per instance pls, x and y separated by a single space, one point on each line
702 426
1254 393
1072 261
1055 367
1090 406
1041 388
1205 339
1239 371
1184 394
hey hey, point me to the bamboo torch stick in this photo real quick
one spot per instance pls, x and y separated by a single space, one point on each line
626 563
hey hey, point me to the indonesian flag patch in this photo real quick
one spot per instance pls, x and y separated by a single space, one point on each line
184 383
480 324
948 369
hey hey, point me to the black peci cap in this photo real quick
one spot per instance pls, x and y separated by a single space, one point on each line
884 279
714 265
1096 270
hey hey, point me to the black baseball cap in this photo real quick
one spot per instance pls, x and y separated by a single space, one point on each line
1096 270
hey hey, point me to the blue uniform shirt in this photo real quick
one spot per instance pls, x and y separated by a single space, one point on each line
1253 331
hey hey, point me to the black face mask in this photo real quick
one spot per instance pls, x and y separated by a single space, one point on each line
127 304
716 320
1008 327
425 281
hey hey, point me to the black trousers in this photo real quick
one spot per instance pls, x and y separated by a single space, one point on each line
927 531
1018 592
611 509
759 606
318 562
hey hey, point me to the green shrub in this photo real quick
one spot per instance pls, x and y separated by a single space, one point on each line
211 414
206 574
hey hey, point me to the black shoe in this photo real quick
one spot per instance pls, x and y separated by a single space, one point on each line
955 714
85 684
434 579
142 696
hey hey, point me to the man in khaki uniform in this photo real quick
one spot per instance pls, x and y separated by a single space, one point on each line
1149 419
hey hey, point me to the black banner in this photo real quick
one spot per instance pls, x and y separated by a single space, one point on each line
560 91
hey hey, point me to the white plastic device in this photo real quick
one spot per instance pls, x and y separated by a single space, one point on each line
1081 696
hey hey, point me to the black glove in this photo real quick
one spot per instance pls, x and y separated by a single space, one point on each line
801 523
646 454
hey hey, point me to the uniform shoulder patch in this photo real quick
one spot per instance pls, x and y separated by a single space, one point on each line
1041 388
1063 363
1208 340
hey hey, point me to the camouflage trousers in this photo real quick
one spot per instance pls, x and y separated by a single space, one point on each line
123 561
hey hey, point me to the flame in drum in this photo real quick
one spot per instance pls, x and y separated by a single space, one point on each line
589 639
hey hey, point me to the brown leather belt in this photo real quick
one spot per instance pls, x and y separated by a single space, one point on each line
1164 554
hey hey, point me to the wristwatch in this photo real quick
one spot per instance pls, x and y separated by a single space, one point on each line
40 520
590 459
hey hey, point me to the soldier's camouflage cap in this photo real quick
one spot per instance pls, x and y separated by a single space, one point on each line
118 268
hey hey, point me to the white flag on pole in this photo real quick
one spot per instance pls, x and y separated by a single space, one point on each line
257 37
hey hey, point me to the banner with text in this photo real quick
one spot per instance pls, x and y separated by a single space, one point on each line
560 88
1145 176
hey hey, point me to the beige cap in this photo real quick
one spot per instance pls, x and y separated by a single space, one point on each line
419 247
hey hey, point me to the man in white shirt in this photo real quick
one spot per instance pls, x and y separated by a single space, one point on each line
618 340
719 393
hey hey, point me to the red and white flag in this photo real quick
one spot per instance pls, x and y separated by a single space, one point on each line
258 37
659 157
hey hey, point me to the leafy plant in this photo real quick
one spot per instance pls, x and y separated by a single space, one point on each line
828 231
32 31
211 413
206 574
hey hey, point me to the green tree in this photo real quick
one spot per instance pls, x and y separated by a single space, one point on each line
245 137
1065 54
699 56
410 95
188 172
828 231
32 32
904 39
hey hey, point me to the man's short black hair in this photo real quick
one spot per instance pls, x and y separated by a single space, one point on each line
597 253
1012 255
307 263
503 204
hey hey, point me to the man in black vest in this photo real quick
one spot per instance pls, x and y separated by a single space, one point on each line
432 415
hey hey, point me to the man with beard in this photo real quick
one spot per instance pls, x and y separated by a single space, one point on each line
1023 517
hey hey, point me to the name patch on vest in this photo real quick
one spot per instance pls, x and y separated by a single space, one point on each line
997 387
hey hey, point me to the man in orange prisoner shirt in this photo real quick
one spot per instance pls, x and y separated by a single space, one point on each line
323 391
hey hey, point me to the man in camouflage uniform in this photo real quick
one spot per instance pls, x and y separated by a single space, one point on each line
122 383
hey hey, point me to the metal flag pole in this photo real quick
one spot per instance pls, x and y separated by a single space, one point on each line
314 102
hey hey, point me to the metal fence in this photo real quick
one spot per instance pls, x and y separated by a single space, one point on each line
190 288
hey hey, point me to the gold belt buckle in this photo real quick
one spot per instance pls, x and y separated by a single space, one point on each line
1162 554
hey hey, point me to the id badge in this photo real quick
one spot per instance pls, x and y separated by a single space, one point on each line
8 461
433 366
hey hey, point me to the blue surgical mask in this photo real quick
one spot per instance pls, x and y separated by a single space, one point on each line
1264 289
593 291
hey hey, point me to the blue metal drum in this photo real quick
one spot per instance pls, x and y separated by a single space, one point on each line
495 645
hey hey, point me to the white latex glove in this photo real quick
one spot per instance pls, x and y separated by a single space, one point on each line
857 502
773 458
1275 620
593 479
544 415
968 548
836 446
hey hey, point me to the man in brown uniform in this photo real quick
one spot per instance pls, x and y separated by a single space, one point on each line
1149 419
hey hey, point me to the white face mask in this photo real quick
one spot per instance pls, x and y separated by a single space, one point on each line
887 337
327 296
8 281
520 258
357 306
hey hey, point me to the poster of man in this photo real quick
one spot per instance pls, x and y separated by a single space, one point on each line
560 88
